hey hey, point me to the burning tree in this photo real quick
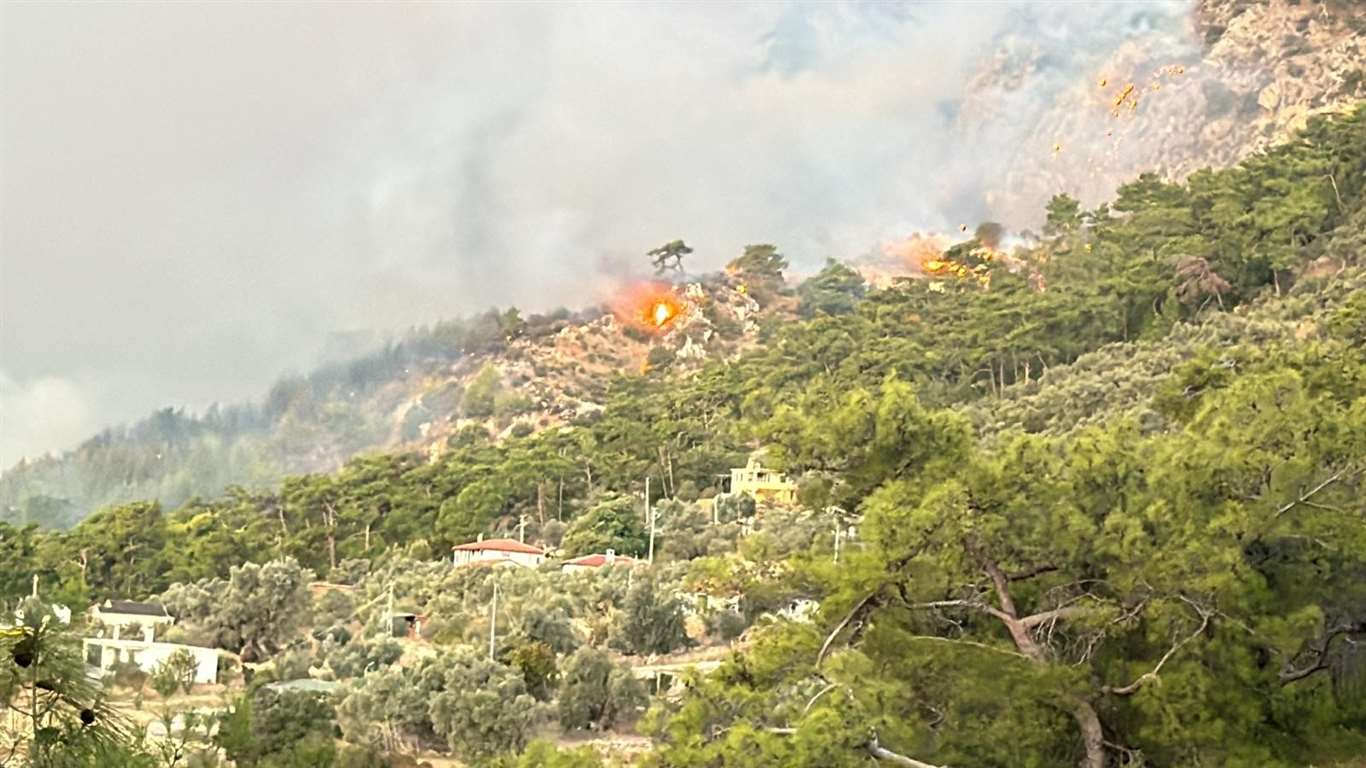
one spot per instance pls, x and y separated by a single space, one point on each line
673 251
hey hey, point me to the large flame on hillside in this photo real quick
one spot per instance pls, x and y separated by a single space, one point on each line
662 312
921 254
651 307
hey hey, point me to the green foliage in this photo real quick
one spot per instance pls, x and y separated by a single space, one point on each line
1064 216
1148 427
481 396
613 522
596 694
1061 577
544 754
726 625
761 263
253 613
176 673
835 290
357 657
672 251
57 715
651 620
483 709
288 729
536 661
660 357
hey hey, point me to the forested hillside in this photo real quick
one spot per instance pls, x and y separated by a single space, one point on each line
1107 492
1252 75
496 374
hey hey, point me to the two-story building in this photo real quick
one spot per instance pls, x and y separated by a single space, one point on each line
762 484
121 615
102 653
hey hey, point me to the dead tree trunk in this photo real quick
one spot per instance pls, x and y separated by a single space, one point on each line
330 524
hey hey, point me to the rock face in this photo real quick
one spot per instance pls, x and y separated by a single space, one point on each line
1238 76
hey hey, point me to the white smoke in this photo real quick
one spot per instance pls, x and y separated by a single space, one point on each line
195 196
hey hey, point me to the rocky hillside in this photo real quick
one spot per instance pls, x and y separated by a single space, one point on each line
496 374
1237 77
550 378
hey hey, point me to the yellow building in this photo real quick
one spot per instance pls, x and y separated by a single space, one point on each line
762 485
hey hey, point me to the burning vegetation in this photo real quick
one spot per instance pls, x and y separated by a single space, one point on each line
652 307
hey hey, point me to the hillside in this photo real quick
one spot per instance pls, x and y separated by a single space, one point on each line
1091 501
497 373
1259 71
1234 78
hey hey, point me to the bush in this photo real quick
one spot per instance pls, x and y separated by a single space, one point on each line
484 709
725 625
177 672
536 662
354 658
612 523
650 622
595 694
660 357
127 674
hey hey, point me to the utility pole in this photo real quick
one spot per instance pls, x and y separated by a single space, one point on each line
389 617
650 518
835 513
521 528
493 622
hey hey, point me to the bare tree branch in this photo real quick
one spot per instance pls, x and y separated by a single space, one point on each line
882 753
1063 612
1304 497
859 609
1030 573
874 748
1319 649
1146 677
828 688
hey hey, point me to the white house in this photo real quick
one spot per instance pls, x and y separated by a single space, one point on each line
498 552
121 614
594 562
102 653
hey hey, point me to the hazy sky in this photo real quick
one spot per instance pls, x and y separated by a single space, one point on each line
193 196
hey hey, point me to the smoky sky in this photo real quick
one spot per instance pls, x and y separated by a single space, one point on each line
195 196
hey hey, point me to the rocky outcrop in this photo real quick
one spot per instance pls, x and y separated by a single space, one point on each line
1241 76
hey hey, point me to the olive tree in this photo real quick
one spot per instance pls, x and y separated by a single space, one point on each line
484 709
596 694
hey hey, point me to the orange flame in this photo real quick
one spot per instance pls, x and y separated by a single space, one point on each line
650 307
663 312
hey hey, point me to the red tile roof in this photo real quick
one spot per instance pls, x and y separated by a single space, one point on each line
499 545
597 561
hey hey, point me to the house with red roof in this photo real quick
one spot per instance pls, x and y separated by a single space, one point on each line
497 552
594 562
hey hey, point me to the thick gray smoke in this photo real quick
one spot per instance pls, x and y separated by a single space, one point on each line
196 195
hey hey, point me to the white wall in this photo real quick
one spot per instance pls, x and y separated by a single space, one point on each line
152 655
465 557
